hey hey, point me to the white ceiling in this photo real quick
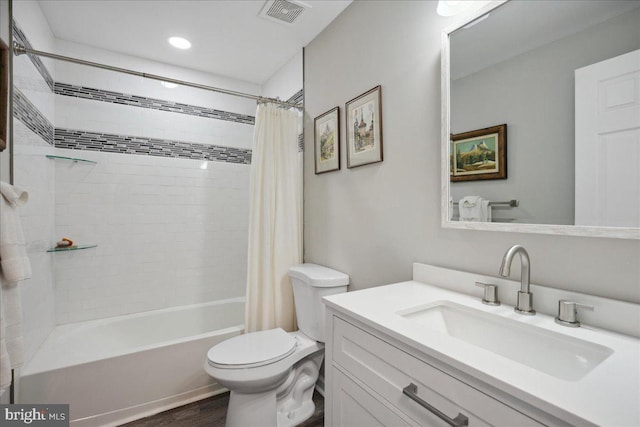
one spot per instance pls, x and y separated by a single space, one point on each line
228 37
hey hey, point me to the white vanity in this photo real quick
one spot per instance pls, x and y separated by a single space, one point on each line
394 350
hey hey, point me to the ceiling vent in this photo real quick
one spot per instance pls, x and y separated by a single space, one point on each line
283 11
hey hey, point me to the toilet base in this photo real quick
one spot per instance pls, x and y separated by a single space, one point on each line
288 405
251 410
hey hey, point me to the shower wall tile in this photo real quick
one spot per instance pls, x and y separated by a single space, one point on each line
120 98
35 173
21 38
31 116
297 98
168 233
87 115
34 112
83 76
137 145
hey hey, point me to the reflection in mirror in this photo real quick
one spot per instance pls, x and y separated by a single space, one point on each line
564 76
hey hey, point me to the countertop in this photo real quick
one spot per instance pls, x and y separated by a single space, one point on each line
609 395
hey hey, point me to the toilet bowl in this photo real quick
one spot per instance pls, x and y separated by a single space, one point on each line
272 374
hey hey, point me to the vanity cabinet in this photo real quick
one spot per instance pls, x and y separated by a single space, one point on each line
366 375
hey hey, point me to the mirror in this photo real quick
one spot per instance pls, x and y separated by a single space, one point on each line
562 81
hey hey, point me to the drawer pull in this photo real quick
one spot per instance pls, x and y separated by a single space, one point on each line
460 420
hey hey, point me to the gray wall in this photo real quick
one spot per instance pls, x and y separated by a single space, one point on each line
534 94
372 222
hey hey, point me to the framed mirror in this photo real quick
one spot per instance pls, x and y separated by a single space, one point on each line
563 78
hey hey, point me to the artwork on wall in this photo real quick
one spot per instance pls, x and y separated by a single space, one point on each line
479 154
364 128
4 94
327 141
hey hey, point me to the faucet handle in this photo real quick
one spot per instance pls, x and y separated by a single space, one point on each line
567 312
490 293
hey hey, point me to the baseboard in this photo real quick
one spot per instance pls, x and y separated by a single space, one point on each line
133 413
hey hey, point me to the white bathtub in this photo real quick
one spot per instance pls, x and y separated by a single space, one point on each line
119 369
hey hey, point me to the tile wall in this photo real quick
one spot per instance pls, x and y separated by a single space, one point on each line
168 233
34 113
166 200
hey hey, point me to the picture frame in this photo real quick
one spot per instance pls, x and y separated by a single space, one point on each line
479 154
5 79
364 128
327 141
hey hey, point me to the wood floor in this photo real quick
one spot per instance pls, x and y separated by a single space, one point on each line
212 412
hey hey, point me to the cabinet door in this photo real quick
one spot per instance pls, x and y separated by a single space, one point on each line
386 369
355 407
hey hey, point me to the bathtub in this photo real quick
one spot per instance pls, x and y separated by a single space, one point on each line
116 370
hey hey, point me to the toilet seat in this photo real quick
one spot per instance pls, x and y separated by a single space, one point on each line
252 350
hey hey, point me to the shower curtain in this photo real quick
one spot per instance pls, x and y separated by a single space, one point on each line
275 219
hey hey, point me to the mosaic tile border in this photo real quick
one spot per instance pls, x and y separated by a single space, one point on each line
28 114
127 144
123 98
32 118
152 103
297 98
21 38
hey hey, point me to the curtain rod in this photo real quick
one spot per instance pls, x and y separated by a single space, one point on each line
18 50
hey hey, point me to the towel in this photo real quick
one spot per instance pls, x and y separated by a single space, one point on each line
14 267
474 208
450 209
14 263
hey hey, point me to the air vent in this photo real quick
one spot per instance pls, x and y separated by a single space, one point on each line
283 11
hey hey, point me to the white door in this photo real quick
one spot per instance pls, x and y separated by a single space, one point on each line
607 148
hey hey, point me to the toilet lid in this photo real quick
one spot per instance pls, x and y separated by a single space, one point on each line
253 349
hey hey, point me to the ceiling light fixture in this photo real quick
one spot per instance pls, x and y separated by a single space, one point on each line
179 42
169 85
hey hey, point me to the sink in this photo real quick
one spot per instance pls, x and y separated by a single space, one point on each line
555 354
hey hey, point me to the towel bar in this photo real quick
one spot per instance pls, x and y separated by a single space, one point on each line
511 203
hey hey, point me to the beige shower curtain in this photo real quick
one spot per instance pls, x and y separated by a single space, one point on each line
275 219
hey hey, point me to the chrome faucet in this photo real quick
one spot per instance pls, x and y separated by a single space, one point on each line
524 305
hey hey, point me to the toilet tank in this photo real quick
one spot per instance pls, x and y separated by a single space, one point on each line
310 283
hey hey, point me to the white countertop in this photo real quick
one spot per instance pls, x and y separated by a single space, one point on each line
609 395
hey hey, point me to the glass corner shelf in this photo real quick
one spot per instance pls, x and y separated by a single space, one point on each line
72 248
70 159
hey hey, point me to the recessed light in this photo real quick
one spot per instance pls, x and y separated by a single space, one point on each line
169 85
179 42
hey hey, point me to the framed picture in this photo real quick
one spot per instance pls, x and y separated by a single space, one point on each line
479 154
364 128
327 141
5 77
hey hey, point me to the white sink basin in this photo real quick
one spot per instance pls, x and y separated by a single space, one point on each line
555 354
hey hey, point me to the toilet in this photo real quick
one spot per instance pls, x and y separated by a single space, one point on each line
272 374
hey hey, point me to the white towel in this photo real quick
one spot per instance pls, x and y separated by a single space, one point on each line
474 208
450 209
14 263
14 267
